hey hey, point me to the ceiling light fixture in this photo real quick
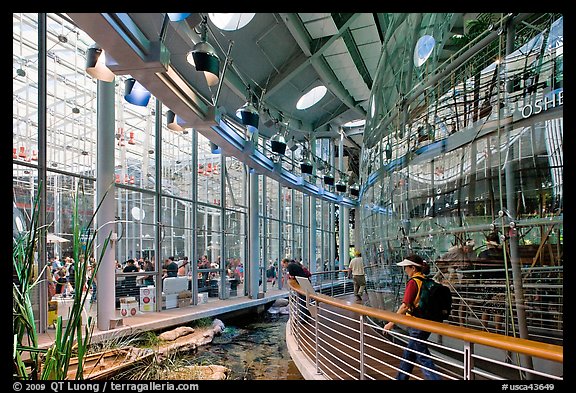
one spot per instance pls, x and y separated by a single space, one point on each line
292 144
329 176
248 114
306 165
278 142
96 64
192 19
355 189
135 93
214 148
203 57
341 183
177 17
172 121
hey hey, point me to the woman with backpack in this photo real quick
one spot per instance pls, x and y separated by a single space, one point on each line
417 349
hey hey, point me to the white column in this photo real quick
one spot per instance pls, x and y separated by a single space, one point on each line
104 179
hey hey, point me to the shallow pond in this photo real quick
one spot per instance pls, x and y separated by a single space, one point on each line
253 347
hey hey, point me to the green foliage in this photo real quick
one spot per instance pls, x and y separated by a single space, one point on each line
153 368
74 338
114 341
24 326
148 339
203 322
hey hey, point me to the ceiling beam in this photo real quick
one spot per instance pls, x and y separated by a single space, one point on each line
301 36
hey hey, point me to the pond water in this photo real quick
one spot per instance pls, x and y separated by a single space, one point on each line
253 347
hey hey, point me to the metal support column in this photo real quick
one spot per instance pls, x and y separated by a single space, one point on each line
105 195
253 270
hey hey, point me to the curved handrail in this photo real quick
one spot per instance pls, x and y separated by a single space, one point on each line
527 347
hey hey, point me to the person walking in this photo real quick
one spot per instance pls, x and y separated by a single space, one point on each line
356 271
417 349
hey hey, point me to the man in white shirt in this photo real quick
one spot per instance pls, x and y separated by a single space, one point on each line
356 270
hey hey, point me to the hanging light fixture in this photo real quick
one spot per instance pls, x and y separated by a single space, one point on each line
248 114
177 17
292 144
203 57
329 176
306 165
96 64
135 93
278 142
354 189
214 148
342 183
172 121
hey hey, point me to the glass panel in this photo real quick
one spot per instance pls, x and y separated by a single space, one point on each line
208 187
236 183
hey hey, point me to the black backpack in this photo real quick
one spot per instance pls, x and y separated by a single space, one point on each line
435 301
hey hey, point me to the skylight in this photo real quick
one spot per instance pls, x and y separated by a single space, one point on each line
355 123
230 21
312 97
423 49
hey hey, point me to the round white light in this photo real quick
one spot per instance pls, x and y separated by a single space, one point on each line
312 97
230 21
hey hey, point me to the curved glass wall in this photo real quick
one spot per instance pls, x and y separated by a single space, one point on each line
465 149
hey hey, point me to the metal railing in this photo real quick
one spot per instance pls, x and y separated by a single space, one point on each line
345 341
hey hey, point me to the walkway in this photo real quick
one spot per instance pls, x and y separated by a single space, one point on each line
146 321
339 335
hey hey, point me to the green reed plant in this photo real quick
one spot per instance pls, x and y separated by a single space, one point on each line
74 338
24 325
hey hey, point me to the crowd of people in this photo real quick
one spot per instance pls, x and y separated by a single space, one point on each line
62 277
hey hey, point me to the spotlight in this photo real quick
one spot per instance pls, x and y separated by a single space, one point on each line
329 177
214 148
135 93
278 143
306 165
96 64
177 17
172 121
341 185
292 145
355 189
249 116
203 57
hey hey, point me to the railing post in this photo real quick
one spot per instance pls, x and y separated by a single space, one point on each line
362 347
315 337
468 361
